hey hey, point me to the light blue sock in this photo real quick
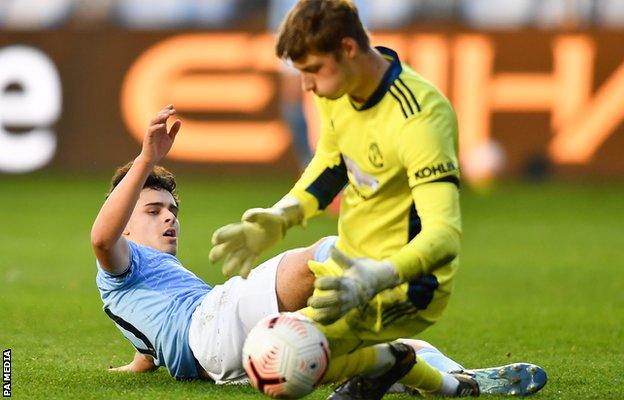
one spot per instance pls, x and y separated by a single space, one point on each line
438 360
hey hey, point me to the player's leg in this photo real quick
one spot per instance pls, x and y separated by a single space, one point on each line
368 361
382 364
282 283
449 384
386 363
295 281
520 379
376 367
372 370
377 376
222 321
432 355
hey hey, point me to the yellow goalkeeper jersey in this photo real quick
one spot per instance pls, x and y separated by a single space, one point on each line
405 135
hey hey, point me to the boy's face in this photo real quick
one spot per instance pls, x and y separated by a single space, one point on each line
325 75
154 221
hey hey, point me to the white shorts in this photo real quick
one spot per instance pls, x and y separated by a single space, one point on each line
222 321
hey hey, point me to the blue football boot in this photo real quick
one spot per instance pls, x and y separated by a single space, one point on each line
518 379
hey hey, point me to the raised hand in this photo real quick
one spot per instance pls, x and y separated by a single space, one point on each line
158 141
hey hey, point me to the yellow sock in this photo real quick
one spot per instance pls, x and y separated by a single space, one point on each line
365 361
423 376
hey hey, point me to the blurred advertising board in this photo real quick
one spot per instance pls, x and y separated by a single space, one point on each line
529 99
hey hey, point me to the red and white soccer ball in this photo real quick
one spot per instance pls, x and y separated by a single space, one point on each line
285 356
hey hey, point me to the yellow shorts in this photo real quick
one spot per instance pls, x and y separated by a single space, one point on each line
400 312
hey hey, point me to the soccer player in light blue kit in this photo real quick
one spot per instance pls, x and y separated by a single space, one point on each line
170 316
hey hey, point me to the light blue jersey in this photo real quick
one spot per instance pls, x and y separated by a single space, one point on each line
152 304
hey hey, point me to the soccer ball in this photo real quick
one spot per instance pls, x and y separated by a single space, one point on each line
285 356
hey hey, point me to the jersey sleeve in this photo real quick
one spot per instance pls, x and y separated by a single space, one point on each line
438 242
428 151
427 148
107 281
326 174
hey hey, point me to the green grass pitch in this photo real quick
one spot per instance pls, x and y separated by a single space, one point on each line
541 280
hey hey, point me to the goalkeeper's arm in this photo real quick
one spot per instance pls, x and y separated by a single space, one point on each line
429 141
436 245
438 242
240 244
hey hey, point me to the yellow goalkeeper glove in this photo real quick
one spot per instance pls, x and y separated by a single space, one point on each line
361 280
240 244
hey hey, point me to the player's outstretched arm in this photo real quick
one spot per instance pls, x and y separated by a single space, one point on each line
110 248
240 244
140 363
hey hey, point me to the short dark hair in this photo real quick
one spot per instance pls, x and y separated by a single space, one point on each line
318 26
159 179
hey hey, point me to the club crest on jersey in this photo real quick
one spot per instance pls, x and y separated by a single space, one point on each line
374 155
360 177
434 170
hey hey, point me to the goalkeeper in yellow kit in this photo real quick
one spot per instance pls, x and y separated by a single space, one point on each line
389 138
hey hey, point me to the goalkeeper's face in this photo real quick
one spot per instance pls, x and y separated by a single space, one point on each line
154 221
326 75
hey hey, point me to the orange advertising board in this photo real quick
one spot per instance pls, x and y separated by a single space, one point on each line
556 96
